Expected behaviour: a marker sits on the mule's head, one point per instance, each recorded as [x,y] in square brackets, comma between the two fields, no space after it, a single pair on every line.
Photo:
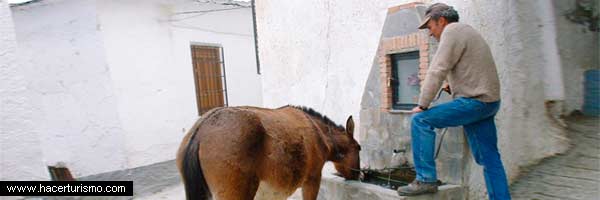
[346,156]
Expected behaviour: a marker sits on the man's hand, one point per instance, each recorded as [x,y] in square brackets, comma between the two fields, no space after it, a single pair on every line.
[417,110]
[446,87]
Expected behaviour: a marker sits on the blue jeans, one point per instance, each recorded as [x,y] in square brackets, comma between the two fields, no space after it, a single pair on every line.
[477,118]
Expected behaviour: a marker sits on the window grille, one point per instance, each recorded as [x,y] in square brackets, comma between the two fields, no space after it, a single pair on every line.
[209,77]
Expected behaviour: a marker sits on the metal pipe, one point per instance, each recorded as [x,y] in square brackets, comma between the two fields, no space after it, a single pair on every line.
[255,36]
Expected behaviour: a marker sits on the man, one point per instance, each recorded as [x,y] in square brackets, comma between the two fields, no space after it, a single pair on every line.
[463,59]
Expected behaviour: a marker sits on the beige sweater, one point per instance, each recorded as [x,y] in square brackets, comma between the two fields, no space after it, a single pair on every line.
[465,60]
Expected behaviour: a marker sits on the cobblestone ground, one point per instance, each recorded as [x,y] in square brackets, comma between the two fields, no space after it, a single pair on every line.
[572,175]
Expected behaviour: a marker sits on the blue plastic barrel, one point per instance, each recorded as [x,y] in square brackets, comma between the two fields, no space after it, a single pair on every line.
[591,93]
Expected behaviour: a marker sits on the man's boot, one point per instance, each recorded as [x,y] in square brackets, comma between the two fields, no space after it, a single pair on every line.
[417,188]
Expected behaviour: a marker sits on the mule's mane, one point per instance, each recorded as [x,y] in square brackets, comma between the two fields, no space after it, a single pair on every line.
[318,115]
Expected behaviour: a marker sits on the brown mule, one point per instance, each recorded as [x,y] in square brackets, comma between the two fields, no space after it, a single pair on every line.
[256,153]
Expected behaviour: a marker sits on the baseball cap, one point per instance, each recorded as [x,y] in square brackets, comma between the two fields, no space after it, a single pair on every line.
[433,10]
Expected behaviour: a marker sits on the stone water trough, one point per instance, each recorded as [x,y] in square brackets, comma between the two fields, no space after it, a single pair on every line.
[335,188]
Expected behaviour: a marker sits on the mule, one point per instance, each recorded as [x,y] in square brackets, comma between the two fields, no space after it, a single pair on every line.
[256,153]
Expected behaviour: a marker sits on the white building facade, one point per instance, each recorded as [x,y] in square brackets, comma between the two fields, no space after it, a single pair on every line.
[111,84]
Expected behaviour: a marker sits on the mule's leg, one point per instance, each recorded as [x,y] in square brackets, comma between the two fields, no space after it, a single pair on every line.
[234,186]
[268,191]
[310,187]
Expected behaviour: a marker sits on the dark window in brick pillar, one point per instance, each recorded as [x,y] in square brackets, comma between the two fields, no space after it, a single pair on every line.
[405,80]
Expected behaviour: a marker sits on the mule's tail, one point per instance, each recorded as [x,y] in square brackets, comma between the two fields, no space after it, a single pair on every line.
[196,187]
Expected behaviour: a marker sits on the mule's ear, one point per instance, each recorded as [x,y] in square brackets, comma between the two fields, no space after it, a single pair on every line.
[350,126]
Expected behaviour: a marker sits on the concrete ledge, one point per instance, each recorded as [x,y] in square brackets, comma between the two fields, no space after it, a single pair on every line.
[337,188]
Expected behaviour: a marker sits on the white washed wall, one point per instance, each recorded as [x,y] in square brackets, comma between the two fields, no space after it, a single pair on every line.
[324,61]
[20,152]
[71,87]
[110,83]
[318,53]
[148,50]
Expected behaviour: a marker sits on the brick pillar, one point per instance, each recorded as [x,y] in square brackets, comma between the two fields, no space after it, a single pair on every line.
[405,43]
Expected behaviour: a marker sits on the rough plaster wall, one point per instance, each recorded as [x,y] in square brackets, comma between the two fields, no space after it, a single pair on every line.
[67,74]
[148,49]
[578,52]
[321,62]
[306,64]
[17,127]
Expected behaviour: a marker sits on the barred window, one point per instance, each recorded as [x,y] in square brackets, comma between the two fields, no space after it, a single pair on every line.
[209,76]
